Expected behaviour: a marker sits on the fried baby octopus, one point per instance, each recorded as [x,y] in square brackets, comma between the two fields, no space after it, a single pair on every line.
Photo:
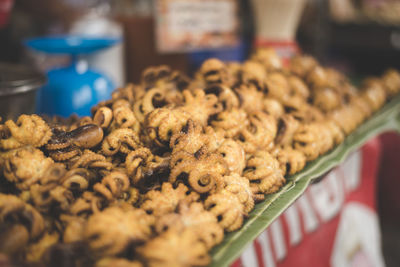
[29,130]
[193,216]
[190,139]
[123,140]
[167,199]
[25,166]
[200,106]
[264,173]
[175,249]
[162,123]
[113,230]
[228,209]
[20,223]
[66,145]
[92,161]
[259,133]
[202,171]
[113,185]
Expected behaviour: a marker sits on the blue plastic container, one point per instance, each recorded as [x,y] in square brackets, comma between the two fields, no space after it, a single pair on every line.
[76,88]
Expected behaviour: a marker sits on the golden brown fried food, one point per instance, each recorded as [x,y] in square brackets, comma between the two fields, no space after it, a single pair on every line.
[259,133]
[233,154]
[117,262]
[74,228]
[298,87]
[264,173]
[273,107]
[347,117]
[301,65]
[391,80]
[111,231]
[374,93]
[20,223]
[122,140]
[29,130]
[230,122]
[103,117]
[252,72]
[291,161]
[51,196]
[214,71]
[92,161]
[87,204]
[26,166]
[64,146]
[200,106]
[287,126]
[165,201]
[202,171]
[152,99]
[228,209]
[36,250]
[240,186]
[175,249]
[191,139]
[277,86]
[164,78]
[124,118]
[268,58]
[163,168]
[162,123]
[137,162]
[226,96]
[326,99]
[113,185]
[193,216]
[250,99]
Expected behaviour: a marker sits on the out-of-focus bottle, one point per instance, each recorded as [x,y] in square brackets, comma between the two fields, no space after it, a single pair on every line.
[97,22]
[276,23]
[138,21]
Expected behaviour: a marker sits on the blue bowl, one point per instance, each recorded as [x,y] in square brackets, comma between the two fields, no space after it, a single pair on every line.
[70,44]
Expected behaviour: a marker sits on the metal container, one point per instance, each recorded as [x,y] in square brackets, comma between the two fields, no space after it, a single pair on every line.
[18,88]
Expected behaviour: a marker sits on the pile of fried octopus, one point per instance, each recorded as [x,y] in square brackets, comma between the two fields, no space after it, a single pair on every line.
[162,170]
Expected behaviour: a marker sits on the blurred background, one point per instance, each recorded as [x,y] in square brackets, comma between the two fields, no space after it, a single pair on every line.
[358,37]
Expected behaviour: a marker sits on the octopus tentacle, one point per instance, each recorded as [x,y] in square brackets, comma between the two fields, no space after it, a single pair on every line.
[120,140]
[135,163]
[103,117]
[113,185]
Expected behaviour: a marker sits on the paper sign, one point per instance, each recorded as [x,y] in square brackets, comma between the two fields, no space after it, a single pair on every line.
[187,25]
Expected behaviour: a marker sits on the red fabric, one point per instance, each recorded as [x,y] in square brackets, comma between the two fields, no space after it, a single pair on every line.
[300,238]
[5,10]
